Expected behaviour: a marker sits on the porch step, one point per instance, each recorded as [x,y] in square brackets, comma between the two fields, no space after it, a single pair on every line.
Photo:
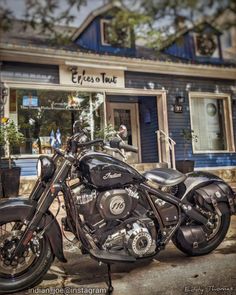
[142,167]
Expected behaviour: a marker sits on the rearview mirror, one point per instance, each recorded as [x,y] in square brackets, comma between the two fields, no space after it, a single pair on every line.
[77,126]
[123,133]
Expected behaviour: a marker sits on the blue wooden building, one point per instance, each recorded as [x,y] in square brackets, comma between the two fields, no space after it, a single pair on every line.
[186,87]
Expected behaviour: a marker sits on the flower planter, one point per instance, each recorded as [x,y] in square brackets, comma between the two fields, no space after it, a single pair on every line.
[185,166]
[10,181]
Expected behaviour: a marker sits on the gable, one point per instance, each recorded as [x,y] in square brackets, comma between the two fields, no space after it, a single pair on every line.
[94,36]
[200,44]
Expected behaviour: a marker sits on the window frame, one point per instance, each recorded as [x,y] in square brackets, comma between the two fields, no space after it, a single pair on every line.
[102,22]
[199,55]
[15,115]
[103,41]
[228,120]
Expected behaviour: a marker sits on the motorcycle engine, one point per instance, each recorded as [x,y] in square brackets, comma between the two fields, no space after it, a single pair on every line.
[117,220]
[138,238]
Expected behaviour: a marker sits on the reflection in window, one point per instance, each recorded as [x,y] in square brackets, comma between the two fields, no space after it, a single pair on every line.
[46,117]
[106,32]
[118,36]
[208,124]
[123,117]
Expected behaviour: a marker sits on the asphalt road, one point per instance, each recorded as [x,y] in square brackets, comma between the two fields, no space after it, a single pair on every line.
[171,273]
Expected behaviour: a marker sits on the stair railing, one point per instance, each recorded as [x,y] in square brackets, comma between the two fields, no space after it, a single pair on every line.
[170,148]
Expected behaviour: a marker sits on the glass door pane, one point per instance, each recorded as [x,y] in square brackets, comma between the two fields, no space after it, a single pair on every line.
[126,114]
[123,117]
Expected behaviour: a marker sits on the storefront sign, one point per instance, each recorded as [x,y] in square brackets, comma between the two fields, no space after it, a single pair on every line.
[83,77]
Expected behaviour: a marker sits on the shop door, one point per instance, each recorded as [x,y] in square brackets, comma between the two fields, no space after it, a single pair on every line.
[126,114]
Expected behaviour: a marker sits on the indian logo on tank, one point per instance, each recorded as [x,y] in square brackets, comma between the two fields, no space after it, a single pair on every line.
[111,175]
[117,205]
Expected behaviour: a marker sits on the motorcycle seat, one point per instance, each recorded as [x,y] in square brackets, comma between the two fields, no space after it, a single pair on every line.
[165,176]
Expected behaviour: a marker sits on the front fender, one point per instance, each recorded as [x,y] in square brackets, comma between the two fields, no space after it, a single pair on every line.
[22,209]
[212,189]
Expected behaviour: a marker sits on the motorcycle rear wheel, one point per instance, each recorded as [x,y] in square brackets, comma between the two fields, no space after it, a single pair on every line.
[214,240]
[27,271]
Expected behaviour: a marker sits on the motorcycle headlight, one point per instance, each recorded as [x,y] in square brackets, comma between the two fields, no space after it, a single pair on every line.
[45,168]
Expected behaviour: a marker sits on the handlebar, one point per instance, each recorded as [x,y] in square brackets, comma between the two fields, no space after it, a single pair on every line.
[115,143]
[89,143]
[118,144]
[128,147]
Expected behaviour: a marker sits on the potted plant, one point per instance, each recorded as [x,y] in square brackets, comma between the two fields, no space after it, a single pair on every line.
[107,133]
[186,165]
[10,139]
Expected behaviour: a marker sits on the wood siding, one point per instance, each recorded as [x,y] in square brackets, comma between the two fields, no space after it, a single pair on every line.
[91,39]
[30,72]
[184,46]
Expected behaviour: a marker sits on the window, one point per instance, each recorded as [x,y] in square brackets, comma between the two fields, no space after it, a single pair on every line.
[121,37]
[206,45]
[46,117]
[106,32]
[211,120]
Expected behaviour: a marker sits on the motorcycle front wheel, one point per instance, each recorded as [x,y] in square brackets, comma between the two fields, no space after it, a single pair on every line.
[28,270]
[213,240]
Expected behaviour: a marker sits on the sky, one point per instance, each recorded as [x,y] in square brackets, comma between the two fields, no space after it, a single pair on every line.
[18,8]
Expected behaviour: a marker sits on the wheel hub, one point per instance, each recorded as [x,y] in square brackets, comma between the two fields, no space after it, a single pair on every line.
[8,243]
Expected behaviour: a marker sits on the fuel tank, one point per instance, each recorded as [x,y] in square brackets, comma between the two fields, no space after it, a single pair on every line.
[103,171]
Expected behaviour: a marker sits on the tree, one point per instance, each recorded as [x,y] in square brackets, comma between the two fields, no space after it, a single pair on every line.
[155,21]
[44,15]
[152,20]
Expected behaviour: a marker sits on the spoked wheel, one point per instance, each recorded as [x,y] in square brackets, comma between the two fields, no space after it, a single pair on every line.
[213,238]
[26,271]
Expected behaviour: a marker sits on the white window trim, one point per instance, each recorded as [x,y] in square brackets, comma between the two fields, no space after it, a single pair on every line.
[228,120]
[160,95]
[197,54]
[102,21]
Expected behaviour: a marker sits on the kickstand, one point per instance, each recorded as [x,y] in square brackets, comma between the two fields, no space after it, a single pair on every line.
[109,283]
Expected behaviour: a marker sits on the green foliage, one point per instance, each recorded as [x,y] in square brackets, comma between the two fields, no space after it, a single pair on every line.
[6,17]
[13,137]
[107,133]
[2,136]
[158,21]
[153,21]
[123,25]
[10,137]
[188,136]
[43,16]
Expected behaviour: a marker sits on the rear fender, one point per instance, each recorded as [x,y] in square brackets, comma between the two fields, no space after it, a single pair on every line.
[210,189]
[23,209]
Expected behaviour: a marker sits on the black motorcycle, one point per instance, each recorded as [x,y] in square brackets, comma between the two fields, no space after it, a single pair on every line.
[117,214]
